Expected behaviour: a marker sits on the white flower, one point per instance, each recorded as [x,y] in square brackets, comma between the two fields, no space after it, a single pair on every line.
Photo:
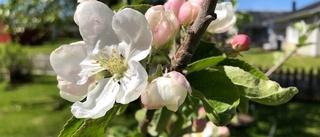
[225,18]
[73,92]
[169,90]
[113,45]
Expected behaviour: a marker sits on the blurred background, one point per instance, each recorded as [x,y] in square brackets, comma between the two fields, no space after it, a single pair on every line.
[30,30]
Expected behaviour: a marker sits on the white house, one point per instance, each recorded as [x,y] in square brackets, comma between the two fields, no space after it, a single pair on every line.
[309,14]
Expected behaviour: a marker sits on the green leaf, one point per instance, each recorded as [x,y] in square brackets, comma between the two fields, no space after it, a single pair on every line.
[243,105]
[141,8]
[205,50]
[71,127]
[160,121]
[265,92]
[217,93]
[88,127]
[189,107]
[177,125]
[243,65]
[204,63]
[122,109]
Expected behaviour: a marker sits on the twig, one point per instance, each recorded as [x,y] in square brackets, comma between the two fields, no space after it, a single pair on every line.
[195,32]
[279,64]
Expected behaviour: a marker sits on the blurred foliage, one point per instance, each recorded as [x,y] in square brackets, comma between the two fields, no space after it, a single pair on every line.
[16,61]
[32,21]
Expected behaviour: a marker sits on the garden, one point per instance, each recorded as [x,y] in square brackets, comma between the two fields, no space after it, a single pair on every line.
[31,104]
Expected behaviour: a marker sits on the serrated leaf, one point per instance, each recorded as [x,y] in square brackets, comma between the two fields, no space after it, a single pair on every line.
[71,127]
[265,92]
[141,8]
[243,65]
[218,94]
[205,50]
[88,127]
[204,63]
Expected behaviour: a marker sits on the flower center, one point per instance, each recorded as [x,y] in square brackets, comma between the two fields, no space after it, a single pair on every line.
[114,64]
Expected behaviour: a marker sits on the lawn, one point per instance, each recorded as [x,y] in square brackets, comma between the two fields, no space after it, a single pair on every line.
[266,59]
[33,109]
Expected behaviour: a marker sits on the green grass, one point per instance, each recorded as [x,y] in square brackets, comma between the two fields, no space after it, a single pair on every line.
[29,110]
[294,119]
[267,59]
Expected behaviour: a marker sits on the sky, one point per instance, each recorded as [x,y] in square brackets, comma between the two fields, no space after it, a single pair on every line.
[272,5]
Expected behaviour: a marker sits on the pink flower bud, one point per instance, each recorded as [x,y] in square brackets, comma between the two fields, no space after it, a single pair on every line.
[199,125]
[173,5]
[241,42]
[189,11]
[163,24]
[169,90]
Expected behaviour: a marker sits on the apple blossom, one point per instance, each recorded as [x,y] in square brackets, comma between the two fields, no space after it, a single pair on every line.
[225,18]
[73,92]
[170,90]
[163,24]
[189,11]
[173,5]
[241,42]
[112,46]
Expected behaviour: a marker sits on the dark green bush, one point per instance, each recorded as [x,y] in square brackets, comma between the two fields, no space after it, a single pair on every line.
[17,63]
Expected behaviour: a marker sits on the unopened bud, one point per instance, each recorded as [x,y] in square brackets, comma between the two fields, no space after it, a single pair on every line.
[169,90]
[188,11]
[173,5]
[241,42]
[163,24]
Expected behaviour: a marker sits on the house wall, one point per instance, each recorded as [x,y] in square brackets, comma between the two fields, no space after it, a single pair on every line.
[292,37]
[313,49]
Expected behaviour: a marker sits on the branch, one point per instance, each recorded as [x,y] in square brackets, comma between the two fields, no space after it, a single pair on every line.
[279,64]
[195,32]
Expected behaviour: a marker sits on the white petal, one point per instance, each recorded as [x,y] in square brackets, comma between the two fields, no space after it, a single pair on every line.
[73,92]
[225,18]
[133,31]
[98,101]
[151,98]
[94,20]
[66,60]
[134,82]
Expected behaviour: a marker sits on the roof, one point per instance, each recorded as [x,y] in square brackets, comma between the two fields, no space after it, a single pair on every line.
[303,12]
[261,16]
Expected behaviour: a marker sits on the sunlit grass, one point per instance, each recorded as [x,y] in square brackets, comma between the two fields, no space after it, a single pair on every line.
[267,59]
[33,109]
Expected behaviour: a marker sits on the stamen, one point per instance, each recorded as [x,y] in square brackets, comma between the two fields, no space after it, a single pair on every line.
[114,64]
